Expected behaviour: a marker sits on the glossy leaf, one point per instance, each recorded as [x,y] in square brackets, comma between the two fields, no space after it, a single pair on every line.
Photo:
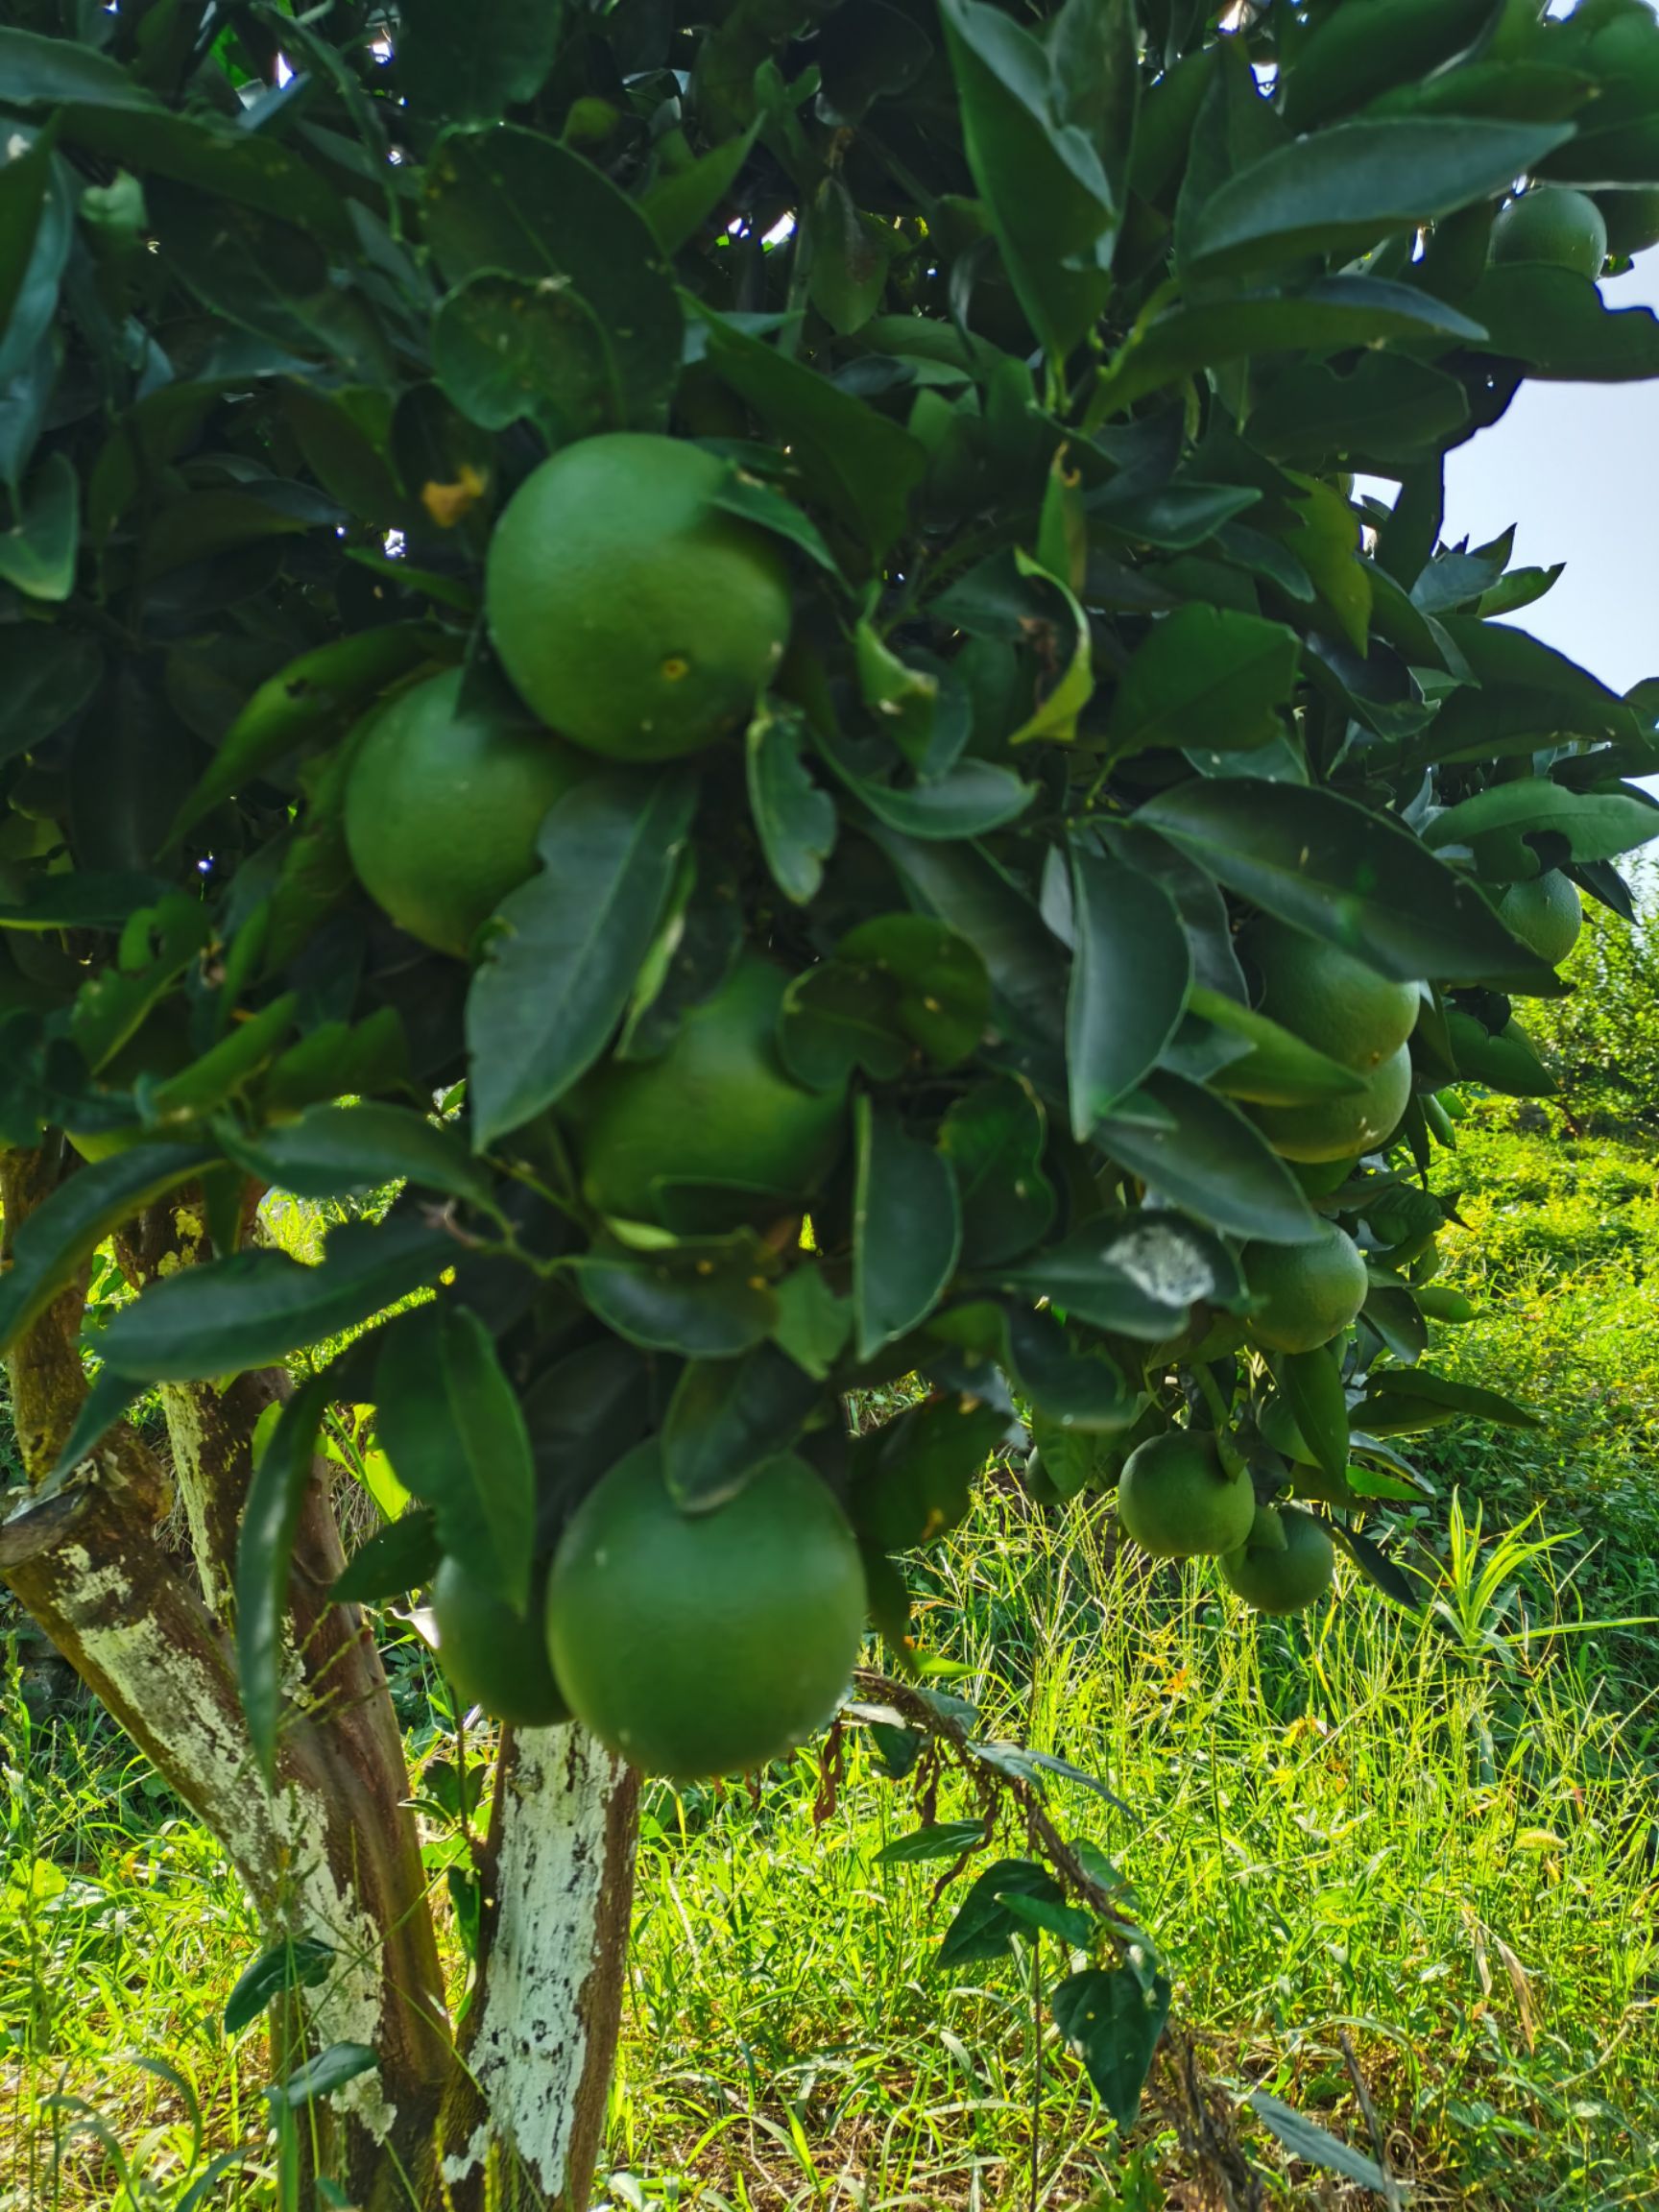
[993,1138]
[555,982]
[255,1307]
[270,1522]
[1344,189]
[1312,1385]
[511,201]
[1208,1158]
[1339,872]
[452,1424]
[704,1307]
[725,1418]
[1130,973]
[794,818]
[1112,2019]
[906,1228]
[346,1152]
[1208,677]
[476,65]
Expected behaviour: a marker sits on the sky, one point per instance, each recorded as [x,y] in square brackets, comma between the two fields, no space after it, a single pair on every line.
[1577,467]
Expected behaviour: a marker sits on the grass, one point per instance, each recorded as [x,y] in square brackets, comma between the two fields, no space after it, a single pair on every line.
[1435,1838]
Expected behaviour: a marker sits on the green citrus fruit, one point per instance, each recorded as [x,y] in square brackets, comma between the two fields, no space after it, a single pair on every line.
[1554,223]
[1177,1501]
[1307,1293]
[1544,913]
[1326,998]
[1632,218]
[633,615]
[1340,1128]
[1284,1569]
[696,1645]
[1320,1177]
[718,1107]
[444,799]
[493,1656]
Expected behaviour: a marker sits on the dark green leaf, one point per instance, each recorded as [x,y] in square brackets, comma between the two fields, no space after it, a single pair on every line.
[813,1324]
[974,797]
[944,1840]
[1113,2019]
[912,1480]
[1334,869]
[39,72]
[704,1307]
[906,1228]
[1317,2147]
[678,206]
[1208,678]
[1427,1389]
[725,1418]
[473,64]
[1276,1068]
[556,981]
[453,1430]
[861,465]
[1499,825]
[343,1151]
[220,162]
[795,821]
[51,1245]
[835,1020]
[1136,1279]
[1049,199]
[506,348]
[1210,1161]
[37,553]
[1389,408]
[1329,314]
[940,991]
[48,675]
[313,700]
[264,1549]
[298,1962]
[993,1138]
[983,1922]
[1342,190]
[1312,1385]
[1556,321]
[25,177]
[321,2076]
[513,201]
[397,1560]
[255,1307]
[1130,973]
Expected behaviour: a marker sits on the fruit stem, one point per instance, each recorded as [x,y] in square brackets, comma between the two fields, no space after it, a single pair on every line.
[1210,1390]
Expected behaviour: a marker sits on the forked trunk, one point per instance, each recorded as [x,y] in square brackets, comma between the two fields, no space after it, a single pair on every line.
[510,2114]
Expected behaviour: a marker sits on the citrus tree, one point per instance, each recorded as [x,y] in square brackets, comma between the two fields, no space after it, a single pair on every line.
[736,650]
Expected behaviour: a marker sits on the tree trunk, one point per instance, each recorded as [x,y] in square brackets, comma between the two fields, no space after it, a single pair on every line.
[511,2114]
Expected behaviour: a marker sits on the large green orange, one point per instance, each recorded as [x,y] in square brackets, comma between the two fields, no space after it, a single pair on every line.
[633,615]
[1326,998]
[1545,913]
[1554,223]
[702,1645]
[718,1107]
[1178,1502]
[1285,1576]
[1307,1293]
[446,793]
[1340,1128]
[493,1656]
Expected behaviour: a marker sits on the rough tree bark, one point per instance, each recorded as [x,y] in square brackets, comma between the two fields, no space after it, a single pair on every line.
[509,2113]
